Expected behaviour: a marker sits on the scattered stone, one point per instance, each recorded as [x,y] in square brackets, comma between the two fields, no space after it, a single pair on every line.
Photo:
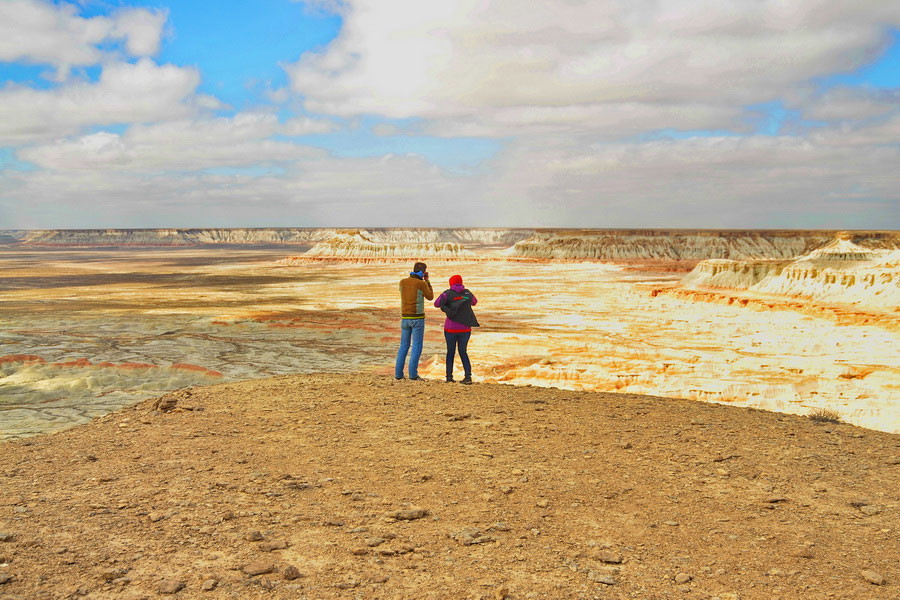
[873,577]
[681,578]
[499,526]
[209,585]
[258,568]
[359,551]
[111,574]
[156,517]
[291,573]
[501,594]
[542,503]
[165,404]
[471,536]
[671,523]
[869,510]
[517,472]
[608,556]
[805,552]
[379,579]
[7,537]
[5,578]
[169,586]
[273,545]
[346,585]
[604,578]
[374,541]
[333,523]
[409,514]
[505,489]
[776,500]
[254,536]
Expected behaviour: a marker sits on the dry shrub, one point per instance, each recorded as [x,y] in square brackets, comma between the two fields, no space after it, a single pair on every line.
[825,415]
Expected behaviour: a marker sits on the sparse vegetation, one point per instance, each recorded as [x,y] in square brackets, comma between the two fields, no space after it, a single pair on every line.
[825,415]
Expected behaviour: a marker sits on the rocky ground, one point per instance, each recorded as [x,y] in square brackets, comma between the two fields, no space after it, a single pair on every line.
[334,486]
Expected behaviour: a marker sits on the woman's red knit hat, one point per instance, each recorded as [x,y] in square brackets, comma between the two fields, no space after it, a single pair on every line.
[456,280]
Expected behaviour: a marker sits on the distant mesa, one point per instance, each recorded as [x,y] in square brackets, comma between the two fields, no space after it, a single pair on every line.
[840,271]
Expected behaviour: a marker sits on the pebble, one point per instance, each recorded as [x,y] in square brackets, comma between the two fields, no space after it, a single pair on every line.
[291,573]
[410,514]
[870,510]
[608,556]
[681,578]
[209,585]
[258,568]
[7,537]
[601,578]
[374,541]
[671,523]
[273,545]
[111,574]
[254,536]
[170,586]
[5,578]
[873,577]
[542,503]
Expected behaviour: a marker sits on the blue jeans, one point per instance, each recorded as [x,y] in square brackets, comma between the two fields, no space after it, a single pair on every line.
[461,340]
[410,330]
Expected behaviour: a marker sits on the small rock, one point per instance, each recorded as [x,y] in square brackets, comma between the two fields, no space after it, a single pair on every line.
[334,523]
[671,523]
[869,510]
[626,446]
[873,577]
[169,586]
[608,556]
[517,472]
[505,489]
[258,568]
[5,578]
[7,537]
[254,536]
[155,517]
[209,585]
[471,536]
[603,578]
[273,545]
[542,503]
[359,551]
[111,574]
[501,594]
[409,514]
[681,578]
[291,573]
[374,541]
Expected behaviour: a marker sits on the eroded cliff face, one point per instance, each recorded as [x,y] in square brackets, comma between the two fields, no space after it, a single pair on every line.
[550,244]
[685,245]
[841,271]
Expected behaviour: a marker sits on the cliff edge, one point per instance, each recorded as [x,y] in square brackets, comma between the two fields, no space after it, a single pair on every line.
[331,486]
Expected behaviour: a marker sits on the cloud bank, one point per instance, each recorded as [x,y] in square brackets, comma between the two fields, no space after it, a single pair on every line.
[609,113]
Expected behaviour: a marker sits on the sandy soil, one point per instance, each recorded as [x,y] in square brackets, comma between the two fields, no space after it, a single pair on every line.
[336,486]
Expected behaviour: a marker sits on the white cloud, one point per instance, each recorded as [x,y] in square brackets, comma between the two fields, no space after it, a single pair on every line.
[483,64]
[125,93]
[184,146]
[45,33]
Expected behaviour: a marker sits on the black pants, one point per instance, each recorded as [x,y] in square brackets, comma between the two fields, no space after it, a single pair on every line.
[461,340]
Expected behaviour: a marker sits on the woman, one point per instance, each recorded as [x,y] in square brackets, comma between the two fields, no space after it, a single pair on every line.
[457,303]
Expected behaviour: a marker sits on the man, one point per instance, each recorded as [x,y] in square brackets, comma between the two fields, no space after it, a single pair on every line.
[414,290]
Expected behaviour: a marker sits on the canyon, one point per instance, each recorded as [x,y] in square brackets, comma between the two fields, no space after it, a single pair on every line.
[788,321]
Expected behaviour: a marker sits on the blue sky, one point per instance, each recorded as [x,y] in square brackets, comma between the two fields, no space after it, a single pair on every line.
[399,105]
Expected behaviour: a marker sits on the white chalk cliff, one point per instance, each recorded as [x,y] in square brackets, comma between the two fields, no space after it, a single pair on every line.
[840,272]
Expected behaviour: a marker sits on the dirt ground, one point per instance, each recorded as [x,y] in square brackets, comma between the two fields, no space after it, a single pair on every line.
[336,486]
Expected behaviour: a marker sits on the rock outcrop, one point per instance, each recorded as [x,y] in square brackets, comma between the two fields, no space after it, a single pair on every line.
[841,271]
[661,244]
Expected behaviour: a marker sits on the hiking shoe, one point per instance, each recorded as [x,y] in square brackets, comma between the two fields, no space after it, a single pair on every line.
[399,378]
[416,379]
[466,381]
[450,379]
